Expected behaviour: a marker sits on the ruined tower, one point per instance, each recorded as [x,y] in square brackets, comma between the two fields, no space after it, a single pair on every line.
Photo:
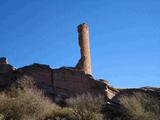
[84,63]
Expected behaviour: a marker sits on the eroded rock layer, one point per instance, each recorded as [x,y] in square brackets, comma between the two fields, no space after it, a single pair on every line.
[64,82]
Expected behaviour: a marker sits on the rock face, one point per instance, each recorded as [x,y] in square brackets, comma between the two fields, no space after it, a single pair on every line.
[3,60]
[116,108]
[84,63]
[64,81]
[5,67]
[6,72]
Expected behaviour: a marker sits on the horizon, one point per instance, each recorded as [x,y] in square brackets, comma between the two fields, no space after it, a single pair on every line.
[124,37]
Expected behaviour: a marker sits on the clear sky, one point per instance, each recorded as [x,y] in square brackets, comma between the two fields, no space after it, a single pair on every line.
[124,36]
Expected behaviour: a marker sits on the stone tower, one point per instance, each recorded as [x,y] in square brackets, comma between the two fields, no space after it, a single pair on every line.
[84,63]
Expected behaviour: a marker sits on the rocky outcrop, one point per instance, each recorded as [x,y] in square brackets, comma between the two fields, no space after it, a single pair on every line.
[115,107]
[40,75]
[6,72]
[65,81]
[3,60]
[5,67]
[71,82]
[153,91]
[84,63]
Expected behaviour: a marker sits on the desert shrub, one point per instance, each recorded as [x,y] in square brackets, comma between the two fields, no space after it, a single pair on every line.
[1,117]
[25,105]
[62,114]
[25,82]
[23,101]
[30,104]
[141,106]
[87,106]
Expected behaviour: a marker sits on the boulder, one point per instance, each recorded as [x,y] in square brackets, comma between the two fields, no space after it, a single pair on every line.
[3,60]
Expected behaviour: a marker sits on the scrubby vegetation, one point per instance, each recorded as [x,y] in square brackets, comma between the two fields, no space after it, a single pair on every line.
[24,102]
[87,106]
[141,106]
[30,104]
[24,105]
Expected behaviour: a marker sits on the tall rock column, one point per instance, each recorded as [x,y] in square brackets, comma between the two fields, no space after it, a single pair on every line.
[84,63]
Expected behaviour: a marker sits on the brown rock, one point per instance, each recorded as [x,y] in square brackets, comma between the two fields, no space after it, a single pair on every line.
[65,81]
[3,60]
[6,73]
[5,67]
[40,74]
[84,63]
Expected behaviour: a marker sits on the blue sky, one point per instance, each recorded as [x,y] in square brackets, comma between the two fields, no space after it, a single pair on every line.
[124,36]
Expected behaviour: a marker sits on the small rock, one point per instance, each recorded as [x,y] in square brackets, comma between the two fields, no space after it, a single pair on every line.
[3,60]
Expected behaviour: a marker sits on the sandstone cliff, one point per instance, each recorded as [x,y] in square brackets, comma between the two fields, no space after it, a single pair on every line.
[62,82]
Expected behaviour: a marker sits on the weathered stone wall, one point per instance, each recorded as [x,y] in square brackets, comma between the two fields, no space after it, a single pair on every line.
[40,75]
[70,82]
[65,82]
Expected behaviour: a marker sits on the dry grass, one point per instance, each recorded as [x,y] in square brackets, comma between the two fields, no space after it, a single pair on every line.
[25,105]
[141,106]
[30,104]
[24,102]
[87,106]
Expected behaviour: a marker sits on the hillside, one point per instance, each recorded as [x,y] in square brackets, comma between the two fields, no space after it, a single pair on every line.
[23,98]
[39,92]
